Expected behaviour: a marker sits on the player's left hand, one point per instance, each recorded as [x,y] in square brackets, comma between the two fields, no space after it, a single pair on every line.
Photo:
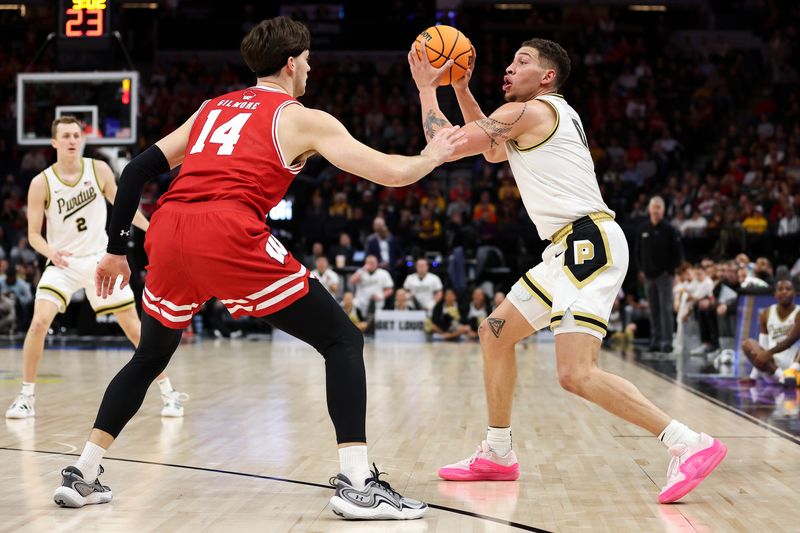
[108,269]
[425,74]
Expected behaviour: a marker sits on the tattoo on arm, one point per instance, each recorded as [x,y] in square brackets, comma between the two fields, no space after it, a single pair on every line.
[434,122]
[497,325]
[497,130]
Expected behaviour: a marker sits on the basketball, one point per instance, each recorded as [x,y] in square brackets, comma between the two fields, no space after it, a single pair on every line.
[443,43]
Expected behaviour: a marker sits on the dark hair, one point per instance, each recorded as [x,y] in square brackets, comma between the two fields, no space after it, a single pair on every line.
[64,119]
[554,54]
[268,46]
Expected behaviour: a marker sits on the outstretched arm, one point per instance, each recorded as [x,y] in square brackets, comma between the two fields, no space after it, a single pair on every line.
[302,131]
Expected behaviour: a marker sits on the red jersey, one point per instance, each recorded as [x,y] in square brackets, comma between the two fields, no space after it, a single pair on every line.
[234,153]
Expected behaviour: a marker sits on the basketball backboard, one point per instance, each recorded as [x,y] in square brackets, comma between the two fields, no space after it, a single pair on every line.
[107,103]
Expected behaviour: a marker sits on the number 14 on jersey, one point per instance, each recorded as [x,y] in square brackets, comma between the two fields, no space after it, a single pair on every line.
[226,135]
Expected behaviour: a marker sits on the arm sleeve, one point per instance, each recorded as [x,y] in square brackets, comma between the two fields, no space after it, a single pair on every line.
[144,167]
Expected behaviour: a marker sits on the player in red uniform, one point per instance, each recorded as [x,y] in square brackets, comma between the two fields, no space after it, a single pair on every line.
[239,153]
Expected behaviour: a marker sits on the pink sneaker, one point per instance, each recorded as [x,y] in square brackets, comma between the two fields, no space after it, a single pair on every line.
[689,466]
[483,465]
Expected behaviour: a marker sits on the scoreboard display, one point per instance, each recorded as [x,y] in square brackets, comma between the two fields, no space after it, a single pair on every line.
[84,19]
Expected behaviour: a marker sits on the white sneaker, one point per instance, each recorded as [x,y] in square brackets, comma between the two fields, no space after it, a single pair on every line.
[22,407]
[173,403]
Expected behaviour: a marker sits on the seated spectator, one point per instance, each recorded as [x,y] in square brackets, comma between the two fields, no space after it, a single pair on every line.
[789,223]
[485,209]
[373,285]
[342,253]
[430,231]
[479,309]
[755,222]
[383,245]
[497,299]
[21,289]
[22,252]
[695,226]
[726,293]
[403,301]
[763,270]
[8,313]
[353,313]
[326,275]
[424,286]
[446,319]
[317,250]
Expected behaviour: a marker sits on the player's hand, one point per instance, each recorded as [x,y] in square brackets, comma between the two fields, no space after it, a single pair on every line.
[108,269]
[462,83]
[59,258]
[444,144]
[425,74]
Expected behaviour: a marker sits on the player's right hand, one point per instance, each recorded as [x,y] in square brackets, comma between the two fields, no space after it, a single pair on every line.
[444,144]
[108,269]
[463,82]
[58,258]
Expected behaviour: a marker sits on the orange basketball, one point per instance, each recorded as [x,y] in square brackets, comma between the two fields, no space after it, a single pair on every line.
[443,43]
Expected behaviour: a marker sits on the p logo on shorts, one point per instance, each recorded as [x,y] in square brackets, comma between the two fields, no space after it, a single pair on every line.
[584,251]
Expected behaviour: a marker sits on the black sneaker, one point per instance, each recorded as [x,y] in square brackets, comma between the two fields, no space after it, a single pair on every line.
[76,492]
[378,501]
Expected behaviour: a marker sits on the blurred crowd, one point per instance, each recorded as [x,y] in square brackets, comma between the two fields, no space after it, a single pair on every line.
[710,126]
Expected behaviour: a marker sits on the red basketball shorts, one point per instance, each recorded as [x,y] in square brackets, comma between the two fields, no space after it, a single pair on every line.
[216,249]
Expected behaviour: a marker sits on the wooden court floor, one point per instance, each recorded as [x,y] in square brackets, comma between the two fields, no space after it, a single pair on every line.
[256,448]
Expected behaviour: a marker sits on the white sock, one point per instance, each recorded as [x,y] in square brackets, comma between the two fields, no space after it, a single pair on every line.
[89,461]
[353,463]
[499,439]
[27,388]
[165,386]
[677,433]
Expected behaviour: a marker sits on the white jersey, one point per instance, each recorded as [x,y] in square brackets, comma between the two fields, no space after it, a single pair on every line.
[76,214]
[556,177]
[777,330]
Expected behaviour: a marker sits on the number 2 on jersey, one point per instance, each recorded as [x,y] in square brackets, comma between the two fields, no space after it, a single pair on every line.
[226,135]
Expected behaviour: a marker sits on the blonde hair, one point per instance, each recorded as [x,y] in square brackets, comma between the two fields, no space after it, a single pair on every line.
[64,119]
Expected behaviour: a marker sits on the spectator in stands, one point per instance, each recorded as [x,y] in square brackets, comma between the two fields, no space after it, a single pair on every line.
[498,298]
[446,319]
[353,313]
[22,252]
[705,309]
[8,313]
[383,245]
[21,289]
[343,252]
[658,252]
[430,231]
[695,226]
[373,285]
[754,221]
[789,223]
[317,250]
[326,275]
[403,301]
[424,286]
[479,309]
[725,294]
[485,210]
[763,270]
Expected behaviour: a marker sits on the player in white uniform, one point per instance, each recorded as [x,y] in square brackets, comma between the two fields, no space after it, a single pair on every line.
[775,355]
[573,289]
[71,195]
